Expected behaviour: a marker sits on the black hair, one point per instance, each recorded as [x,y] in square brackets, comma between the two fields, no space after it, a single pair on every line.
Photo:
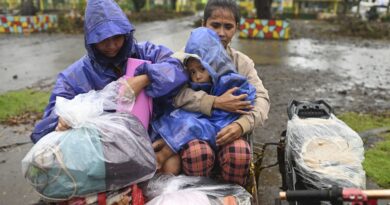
[212,5]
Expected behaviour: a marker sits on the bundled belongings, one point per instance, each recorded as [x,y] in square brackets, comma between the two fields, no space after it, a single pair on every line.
[190,190]
[124,196]
[105,150]
[321,150]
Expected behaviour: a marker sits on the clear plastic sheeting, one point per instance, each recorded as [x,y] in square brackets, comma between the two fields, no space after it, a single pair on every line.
[172,190]
[101,151]
[180,198]
[326,152]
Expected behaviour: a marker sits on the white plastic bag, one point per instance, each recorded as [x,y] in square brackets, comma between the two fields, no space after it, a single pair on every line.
[161,189]
[103,151]
[326,152]
[181,197]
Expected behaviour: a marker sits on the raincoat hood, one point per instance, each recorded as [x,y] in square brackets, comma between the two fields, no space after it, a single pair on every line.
[206,44]
[179,127]
[104,19]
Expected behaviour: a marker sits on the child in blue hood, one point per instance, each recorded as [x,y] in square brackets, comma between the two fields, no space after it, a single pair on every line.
[211,70]
[109,43]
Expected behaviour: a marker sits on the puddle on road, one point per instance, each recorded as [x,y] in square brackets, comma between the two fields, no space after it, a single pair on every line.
[42,56]
[365,66]
[27,60]
[361,65]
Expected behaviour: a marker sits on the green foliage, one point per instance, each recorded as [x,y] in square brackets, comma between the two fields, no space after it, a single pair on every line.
[156,14]
[362,122]
[386,18]
[200,6]
[291,15]
[377,163]
[365,29]
[15,103]
[126,5]
[70,24]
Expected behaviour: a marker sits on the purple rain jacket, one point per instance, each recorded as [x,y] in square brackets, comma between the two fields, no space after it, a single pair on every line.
[104,19]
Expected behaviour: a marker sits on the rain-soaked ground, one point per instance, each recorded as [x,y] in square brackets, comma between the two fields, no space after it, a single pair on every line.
[353,75]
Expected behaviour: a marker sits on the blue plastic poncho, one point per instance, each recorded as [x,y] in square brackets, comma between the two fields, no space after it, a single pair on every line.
[94,71]
[180,127]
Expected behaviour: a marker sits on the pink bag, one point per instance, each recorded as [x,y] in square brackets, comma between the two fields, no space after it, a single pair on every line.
[143,105]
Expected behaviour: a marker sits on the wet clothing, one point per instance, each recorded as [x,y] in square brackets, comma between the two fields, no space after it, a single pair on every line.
[104,19]
[179,127]
[199,159]
[234,158]
[201,101]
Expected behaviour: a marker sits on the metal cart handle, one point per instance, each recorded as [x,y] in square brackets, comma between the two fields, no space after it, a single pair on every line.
[336,195]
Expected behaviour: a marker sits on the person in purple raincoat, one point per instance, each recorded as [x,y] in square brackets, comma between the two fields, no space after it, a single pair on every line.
[109,43]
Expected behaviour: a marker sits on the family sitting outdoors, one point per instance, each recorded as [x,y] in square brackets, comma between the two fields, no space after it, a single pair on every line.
[207,99]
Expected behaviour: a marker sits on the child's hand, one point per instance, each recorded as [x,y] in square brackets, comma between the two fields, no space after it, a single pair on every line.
[228,134]
[62,126]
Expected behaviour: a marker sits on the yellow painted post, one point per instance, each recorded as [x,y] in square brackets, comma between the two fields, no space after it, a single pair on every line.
[41,7]
[193,5]
[147,5]
[335,6]
[178,5]
[296,7]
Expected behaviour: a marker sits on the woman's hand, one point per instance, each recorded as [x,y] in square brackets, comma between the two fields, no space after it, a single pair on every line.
[228,134]
[138,83]
[231,103]
[62,126]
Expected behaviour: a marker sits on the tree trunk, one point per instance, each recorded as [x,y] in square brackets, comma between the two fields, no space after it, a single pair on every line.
[263,9]
[27,8]
[345,7]
[138,5]
[173,5]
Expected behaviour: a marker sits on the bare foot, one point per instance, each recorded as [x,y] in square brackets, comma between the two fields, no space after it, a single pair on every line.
[158,145]
[172,165]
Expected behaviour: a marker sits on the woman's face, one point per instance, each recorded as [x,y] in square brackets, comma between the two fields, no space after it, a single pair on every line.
[222,21]
[111,46]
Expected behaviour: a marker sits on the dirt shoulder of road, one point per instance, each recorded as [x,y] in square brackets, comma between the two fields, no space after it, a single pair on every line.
[347,28]
[286,84]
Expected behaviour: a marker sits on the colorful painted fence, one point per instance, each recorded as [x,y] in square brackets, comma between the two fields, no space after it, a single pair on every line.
[264,29]
[27,24]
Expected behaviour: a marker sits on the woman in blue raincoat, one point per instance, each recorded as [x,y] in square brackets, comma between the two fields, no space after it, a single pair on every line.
[109,43]
[179,127]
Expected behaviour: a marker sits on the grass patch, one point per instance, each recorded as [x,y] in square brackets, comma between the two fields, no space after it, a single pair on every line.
[16,103]
[376,162]
[362,122]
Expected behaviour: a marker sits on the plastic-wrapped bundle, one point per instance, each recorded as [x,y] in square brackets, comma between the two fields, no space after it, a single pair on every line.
[101,152]
[326,152]
[172,190]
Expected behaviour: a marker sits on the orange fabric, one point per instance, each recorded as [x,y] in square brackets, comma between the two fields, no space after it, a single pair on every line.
[229,200]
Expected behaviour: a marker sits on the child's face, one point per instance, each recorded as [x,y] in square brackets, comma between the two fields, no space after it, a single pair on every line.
[197,73]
